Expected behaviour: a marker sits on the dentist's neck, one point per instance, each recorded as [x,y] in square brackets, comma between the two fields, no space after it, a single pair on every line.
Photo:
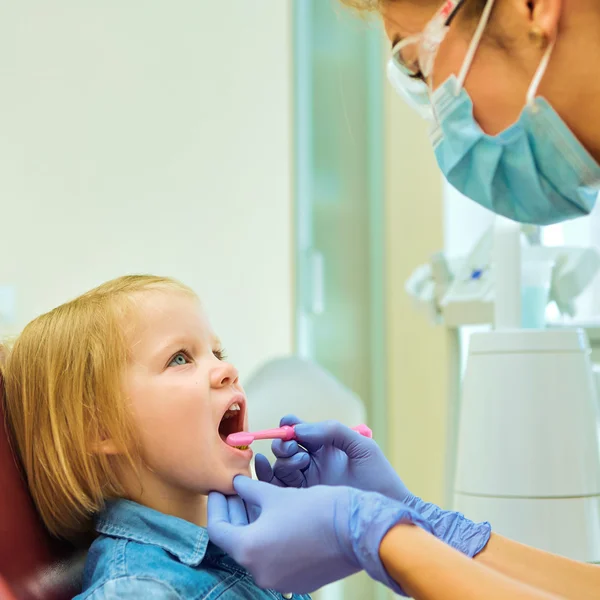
[572,82]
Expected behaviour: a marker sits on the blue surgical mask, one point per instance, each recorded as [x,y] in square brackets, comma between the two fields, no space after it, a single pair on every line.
[536,171]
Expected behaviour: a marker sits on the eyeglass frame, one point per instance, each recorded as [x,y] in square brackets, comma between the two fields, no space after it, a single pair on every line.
[433,35]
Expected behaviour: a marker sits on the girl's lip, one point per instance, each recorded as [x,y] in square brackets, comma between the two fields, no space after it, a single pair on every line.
[247,453]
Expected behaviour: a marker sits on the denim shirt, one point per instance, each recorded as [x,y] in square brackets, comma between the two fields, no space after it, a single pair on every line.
[144,554]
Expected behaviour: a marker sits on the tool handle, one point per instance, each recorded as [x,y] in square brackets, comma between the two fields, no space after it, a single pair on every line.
[284,433]
[364,430]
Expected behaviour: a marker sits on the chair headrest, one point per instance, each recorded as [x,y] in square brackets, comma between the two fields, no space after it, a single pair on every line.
[35,565]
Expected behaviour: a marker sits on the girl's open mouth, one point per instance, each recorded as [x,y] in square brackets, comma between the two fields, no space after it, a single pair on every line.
[233,419]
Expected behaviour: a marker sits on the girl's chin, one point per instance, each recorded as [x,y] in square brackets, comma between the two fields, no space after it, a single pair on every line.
[246,472]
[227,487]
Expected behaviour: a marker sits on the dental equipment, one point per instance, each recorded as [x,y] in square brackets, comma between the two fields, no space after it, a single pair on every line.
[528,455]
[286,433]
[457,292]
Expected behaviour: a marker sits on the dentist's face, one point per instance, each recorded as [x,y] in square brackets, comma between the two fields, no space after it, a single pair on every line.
[496,88]
[507,58]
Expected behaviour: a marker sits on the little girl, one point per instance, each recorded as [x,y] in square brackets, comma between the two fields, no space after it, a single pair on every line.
[118,404]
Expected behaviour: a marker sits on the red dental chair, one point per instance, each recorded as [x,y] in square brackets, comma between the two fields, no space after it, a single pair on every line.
[33,565]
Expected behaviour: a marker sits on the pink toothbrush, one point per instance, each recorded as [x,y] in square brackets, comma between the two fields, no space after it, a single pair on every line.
[286,433]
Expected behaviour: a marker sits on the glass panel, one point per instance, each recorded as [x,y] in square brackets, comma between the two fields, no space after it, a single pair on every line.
[339,70]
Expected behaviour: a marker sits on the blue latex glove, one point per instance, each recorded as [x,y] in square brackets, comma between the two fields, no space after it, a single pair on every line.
[304,539]
[329,453]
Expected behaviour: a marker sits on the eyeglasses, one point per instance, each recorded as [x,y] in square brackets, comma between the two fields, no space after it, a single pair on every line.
[415,55]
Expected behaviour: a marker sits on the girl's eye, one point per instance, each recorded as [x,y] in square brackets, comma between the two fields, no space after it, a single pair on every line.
[179,359]
[220,354]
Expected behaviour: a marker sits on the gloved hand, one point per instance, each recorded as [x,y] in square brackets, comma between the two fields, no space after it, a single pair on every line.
[304,539]
[333,454]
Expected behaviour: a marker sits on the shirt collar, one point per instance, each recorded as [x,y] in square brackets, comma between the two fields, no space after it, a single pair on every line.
[132,521]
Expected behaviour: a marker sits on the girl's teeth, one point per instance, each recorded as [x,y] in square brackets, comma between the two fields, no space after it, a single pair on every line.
[231,411]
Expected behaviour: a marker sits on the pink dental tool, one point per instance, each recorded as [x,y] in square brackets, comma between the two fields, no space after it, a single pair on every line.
[285,433]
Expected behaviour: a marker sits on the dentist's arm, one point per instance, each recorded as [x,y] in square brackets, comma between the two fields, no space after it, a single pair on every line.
[543,570]
[428,569]
[332,454]
[300,540]
[328,453]
[303,539]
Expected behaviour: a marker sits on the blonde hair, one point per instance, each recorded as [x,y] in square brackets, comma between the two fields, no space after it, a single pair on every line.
[64,395]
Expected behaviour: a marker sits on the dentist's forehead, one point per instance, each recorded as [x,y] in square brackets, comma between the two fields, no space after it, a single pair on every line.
[407,17]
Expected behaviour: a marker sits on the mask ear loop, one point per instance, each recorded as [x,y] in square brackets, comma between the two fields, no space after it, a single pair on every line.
[485,17]
[537,78]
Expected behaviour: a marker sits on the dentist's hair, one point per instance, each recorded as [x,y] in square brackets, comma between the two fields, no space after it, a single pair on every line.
[64,395]
[473,7]
[364,4]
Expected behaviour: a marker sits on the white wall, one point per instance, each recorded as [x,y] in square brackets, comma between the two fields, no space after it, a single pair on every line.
[465,222]
[418,362]
[150,137]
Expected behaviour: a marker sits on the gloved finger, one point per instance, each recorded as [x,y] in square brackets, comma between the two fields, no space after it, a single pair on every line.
[237,511]
[253,492]
[264,471]
[263,468]
[253,512]
[331,433]
[218,508]
[298,462]
[290,420]
[283,449]
[220,530]
[291,470]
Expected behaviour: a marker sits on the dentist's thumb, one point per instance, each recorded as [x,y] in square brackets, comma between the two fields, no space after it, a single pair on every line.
[254,492]
[314,436]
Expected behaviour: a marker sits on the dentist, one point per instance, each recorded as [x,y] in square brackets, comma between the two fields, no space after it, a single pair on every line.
[511,89]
